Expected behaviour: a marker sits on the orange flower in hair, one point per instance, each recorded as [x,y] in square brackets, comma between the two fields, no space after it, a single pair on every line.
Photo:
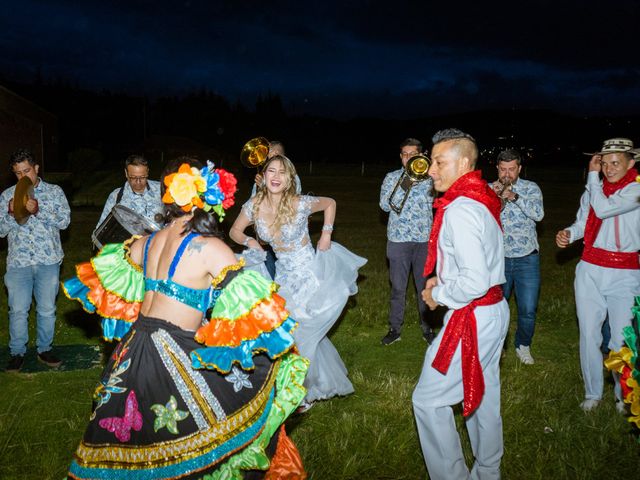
[185,187]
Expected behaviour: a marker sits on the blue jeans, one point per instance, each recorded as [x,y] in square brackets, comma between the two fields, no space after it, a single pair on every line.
[22,284]
[523,277]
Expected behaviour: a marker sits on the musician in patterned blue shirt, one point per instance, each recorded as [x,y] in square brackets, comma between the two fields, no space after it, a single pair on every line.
[407,236]
[522,208]
[33,260]
[139,193]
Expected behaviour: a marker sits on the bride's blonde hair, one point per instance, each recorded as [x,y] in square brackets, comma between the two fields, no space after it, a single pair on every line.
[284,210]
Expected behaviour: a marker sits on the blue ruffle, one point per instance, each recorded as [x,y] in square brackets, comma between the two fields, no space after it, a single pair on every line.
[274,344]
[76,290]
[114,329]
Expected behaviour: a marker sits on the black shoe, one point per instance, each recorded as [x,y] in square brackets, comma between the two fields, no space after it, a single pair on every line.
[428,336]
[391,337]
[15,363]
[49,359]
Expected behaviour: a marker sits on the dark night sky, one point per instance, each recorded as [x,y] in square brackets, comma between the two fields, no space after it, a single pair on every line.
[348,58]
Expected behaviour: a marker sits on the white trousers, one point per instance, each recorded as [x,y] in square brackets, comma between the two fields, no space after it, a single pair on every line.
[602,291]
[435,393]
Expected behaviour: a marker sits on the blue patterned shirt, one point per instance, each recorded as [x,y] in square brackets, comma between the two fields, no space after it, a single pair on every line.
[519,219]
[413,223]
[37,242]
[146,204]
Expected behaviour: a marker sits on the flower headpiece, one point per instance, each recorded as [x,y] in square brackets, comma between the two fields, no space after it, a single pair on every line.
[208,188]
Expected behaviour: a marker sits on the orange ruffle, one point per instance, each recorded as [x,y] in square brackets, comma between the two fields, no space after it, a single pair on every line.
[286,463]
[107,304]
[264,317]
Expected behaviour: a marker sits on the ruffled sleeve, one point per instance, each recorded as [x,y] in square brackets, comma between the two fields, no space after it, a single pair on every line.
[305,203]
[247,208]
[248,318]
[112,286]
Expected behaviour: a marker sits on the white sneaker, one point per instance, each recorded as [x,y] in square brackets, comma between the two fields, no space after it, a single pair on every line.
[589,404]
[621,407]
[524,354]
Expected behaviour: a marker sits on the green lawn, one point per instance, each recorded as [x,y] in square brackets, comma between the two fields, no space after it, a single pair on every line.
[370,434]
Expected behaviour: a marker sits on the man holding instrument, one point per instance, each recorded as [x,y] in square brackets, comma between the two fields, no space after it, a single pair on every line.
[608,274]
[462,364]
[521,209]
[139,193]
[407,233]
[33,258]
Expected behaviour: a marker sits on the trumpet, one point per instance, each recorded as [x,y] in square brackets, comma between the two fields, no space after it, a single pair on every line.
[505,186]
[415,171]
[255,152]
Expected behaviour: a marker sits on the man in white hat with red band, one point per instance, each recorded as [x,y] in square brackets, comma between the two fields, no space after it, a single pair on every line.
[608,274]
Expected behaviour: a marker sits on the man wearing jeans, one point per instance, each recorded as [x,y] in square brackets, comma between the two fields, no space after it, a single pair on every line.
[33,260]
[522,208]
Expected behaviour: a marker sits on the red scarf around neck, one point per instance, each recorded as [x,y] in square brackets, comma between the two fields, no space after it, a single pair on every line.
[598,256]
[461,327]
[470,185]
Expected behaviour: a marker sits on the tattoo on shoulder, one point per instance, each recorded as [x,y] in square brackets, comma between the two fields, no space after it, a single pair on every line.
[195,246]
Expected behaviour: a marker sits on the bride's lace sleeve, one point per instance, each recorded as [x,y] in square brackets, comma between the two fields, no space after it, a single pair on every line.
[247,208]
[306,203]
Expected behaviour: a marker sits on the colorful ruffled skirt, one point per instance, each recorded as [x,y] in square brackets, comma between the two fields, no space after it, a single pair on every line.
[156,417]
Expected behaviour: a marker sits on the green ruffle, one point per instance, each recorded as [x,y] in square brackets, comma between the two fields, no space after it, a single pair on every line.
[289,394]
[242,294]
[117,274]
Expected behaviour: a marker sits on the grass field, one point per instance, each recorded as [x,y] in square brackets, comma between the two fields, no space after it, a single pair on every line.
[370,434]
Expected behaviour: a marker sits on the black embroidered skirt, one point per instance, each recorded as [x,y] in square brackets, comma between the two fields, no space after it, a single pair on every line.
[155,417]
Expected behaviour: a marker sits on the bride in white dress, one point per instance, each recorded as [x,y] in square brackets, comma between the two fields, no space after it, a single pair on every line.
[315,284]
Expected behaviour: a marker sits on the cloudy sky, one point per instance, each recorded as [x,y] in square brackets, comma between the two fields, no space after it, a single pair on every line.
[346,58]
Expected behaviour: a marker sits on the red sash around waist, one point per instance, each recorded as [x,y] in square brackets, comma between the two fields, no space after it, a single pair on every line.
[462,327]
[605,258]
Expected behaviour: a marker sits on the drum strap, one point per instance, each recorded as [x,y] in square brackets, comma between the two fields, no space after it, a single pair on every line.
[120,194]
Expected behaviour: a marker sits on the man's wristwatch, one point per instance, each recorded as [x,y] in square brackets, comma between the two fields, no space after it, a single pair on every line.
[515,197]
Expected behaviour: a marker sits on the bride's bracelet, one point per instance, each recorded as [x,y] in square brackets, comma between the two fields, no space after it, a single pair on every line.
[246,241]
[327,227]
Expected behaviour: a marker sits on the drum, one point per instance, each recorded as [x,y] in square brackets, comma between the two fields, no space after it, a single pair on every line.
[121,224]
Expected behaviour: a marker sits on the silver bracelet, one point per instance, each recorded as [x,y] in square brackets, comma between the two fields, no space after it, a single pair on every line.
[246,241]
[328,227]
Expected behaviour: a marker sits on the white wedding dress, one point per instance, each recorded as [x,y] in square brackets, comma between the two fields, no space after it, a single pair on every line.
[316,286]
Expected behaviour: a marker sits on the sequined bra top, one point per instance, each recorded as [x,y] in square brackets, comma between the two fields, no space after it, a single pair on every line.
[200,299]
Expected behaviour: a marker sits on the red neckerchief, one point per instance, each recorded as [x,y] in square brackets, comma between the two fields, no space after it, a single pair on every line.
[598,256]
[470,185]
[462,327]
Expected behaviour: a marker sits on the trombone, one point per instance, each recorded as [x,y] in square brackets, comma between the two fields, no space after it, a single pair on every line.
[415,171]
[255,152]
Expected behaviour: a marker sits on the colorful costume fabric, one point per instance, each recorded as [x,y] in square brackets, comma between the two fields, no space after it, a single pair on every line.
[627,363]
[173,406]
